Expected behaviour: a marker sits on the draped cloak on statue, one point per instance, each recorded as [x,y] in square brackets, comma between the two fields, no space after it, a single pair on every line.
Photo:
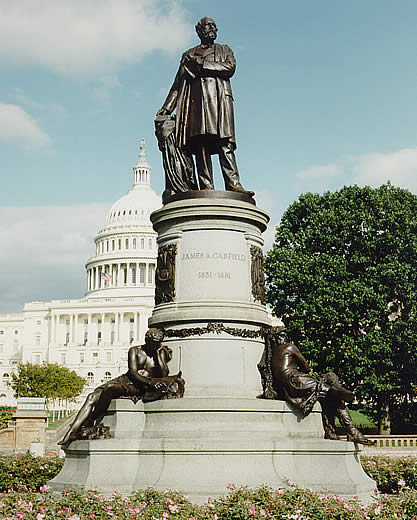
[204,102]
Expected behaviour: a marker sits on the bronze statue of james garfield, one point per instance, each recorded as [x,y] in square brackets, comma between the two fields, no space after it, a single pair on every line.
[202,96]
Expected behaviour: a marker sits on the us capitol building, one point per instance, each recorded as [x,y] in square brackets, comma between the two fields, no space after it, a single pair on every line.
[92,335]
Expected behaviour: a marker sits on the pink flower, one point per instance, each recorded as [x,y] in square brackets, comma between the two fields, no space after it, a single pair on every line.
[165,515]
[401,482]
[64,491]
[174,509]
[251,511]
[375,490]
[108,508]
[39,516]
[169,502]
[92,516]
[44,488]
[230,485]
[262,512]
[279,491]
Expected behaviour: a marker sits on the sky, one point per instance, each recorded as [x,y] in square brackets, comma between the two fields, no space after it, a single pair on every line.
[325,96]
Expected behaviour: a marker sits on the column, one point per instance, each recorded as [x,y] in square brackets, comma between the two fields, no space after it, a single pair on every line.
[103,329]
[135,326]
[89,331]
[120,331]
[116,327]
[53,331]
[71,335]
[76,328]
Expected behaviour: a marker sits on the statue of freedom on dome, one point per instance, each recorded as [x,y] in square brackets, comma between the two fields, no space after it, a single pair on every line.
[204,120]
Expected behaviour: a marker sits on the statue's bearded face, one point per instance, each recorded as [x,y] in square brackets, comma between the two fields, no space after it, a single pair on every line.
[207,29]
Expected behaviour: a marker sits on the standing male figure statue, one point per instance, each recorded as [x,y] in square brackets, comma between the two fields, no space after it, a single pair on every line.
[202,96]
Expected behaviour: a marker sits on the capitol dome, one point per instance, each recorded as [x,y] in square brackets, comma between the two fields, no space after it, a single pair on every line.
[126,245]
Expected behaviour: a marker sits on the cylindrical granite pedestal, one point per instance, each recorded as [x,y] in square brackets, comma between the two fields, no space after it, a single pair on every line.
[210,293]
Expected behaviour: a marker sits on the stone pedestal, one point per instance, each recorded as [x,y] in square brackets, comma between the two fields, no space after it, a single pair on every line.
[199,445]
[208,275]
[210,300]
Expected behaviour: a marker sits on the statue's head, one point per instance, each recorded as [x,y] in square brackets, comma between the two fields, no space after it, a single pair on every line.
[154,336]
[206,30]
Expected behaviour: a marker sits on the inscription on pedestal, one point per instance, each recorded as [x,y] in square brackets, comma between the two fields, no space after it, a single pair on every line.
[216,267]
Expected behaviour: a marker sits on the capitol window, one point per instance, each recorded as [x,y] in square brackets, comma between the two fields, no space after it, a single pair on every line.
[108,357]
[127,243]
[1,331]
[16,332]
[90,378]
[37,340]
[6,377]
[120,243]
[107,376]
[112,245]
[150,243]
[142,243]
[134,243]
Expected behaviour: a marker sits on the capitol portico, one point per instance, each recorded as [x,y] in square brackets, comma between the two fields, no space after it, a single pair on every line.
[92,335]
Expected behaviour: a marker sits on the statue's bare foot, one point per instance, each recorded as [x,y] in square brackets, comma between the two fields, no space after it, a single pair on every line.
[360,438]
[70,436]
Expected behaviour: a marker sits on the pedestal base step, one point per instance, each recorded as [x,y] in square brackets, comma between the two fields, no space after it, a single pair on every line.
[200,445]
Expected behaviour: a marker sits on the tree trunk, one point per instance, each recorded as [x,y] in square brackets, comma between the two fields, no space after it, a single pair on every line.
[384,420]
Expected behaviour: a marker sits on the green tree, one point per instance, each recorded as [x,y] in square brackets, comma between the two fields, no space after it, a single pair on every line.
[47,380]
[342,274]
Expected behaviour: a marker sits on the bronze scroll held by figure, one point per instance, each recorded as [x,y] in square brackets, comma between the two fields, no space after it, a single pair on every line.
[286,375]
[202,96]
[147,379]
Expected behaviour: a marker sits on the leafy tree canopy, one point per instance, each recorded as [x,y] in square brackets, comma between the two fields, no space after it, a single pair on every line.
[342,275]
[47,380]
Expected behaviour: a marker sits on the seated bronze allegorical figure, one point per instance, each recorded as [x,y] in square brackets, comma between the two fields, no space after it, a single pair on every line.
[147,379]
[286,375]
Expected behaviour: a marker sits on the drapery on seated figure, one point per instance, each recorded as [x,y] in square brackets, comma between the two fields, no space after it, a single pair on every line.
[204,124]
[147,379]
[286,375]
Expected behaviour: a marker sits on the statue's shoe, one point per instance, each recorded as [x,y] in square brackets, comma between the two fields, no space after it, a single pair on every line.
[238,188]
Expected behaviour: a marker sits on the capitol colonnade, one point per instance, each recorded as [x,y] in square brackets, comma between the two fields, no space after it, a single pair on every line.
[122,274]
[92,335]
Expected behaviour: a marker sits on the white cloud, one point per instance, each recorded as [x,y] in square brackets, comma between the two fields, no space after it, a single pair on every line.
[320,172]
[398,167]
[44,250]
[18,125]
[83,38]
[54,108]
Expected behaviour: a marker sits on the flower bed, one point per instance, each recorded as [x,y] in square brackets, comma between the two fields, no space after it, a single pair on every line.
[24,472]
[391,474]
[25,496]
[258,504]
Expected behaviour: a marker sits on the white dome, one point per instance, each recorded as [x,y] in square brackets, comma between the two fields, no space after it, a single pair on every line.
[126,249]
[134,208]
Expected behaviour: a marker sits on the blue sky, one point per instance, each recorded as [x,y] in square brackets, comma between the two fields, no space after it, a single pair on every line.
[325,95]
